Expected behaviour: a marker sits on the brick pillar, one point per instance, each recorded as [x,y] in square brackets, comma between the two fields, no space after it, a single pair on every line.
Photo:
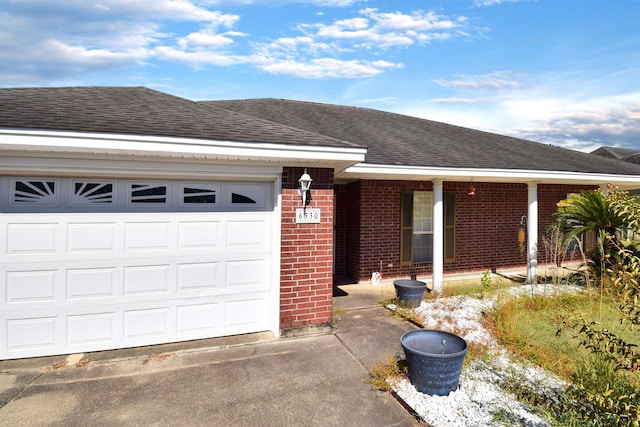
[306,271]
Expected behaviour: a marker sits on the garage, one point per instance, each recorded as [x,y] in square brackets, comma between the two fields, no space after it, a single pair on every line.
[91,264]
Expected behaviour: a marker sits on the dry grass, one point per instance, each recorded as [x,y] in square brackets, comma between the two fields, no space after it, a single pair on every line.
[534,328]
[385,373]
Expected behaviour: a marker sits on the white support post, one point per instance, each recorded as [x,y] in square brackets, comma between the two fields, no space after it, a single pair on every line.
[438,236]
[532,233]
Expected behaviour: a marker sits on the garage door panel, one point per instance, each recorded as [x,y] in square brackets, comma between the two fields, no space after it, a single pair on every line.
[91,237]
[30,286]
[198,320]
[146,279]
[80,240]
[96,282]
[87,283]
[146,323]
[32,333]
[247,275]
[199,277]
[200,235]
[244,315]
[247,234]
[75,277]
[32,239]
[92,328]
[141,236]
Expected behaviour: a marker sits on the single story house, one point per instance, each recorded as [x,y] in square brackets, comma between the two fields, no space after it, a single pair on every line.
[132,217]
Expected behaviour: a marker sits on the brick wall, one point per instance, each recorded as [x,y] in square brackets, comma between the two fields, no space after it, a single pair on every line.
[306,276]
[486,225]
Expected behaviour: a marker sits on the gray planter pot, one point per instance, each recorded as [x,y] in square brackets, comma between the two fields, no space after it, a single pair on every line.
[434,360]
[409,292]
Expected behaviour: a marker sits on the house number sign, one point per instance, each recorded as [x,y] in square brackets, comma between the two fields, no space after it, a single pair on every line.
[307,216]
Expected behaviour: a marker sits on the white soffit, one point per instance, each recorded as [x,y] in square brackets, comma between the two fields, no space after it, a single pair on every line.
[139,145]
[388,172]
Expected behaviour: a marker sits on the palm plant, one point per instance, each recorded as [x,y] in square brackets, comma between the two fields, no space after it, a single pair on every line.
[590,211]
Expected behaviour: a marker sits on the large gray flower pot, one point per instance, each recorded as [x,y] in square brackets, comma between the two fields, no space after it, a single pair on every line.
[434,360]
[409,292]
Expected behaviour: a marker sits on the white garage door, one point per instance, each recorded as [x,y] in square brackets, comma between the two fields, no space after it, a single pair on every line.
[91,264]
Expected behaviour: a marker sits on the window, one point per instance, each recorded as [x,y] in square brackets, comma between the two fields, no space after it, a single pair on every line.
[249,194]
[34,191]
[148,193]
[416,237]
[199,193]
[92,193]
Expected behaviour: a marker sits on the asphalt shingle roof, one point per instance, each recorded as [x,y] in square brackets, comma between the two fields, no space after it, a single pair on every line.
[394,139]
[391,139]
[626,154]
[141,111]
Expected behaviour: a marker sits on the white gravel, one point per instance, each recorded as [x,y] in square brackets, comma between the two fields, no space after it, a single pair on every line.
[479,401]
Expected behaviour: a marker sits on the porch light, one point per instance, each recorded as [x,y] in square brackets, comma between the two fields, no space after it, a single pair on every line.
[471,191]
[521,235]
[305,185]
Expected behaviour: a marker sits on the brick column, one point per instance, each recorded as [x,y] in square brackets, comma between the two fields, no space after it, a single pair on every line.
[306,272]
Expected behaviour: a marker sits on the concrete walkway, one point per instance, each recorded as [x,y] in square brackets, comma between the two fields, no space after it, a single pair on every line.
[252,380]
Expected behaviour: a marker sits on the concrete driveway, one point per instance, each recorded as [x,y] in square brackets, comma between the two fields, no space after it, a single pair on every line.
[306,381]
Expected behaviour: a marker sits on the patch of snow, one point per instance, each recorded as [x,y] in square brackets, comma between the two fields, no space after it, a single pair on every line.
[479,400]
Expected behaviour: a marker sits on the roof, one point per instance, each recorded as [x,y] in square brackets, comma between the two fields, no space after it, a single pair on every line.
[394,139]
[141,111]
[357,142]
[625,154]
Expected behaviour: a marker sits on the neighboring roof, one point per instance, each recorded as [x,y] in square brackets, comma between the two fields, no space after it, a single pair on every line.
[394,139]
[141,111]
[625,154]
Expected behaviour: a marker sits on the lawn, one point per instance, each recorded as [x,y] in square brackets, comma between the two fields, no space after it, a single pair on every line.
[547,330]
[540,333]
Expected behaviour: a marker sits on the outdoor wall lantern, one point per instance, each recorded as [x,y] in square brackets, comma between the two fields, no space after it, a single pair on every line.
[305,187]
[471,191]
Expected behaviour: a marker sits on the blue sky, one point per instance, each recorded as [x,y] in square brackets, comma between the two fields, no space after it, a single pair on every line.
[563,72]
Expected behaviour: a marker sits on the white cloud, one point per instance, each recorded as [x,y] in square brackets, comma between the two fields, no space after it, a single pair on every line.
[416,21]
[563,120]
[328,68]
[322,3]
[132,32]
[481,3]
[204,40]
[596,120]
[198,59]
[496,80]
[377,30]
[461,101]
[41,40]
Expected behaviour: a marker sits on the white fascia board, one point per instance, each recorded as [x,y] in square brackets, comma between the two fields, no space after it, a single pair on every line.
[79,142]
[367,171]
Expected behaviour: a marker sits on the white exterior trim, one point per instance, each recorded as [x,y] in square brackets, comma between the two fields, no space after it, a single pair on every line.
[532,233]
[94,143]
[140,168]
[438,236]
[366,171]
